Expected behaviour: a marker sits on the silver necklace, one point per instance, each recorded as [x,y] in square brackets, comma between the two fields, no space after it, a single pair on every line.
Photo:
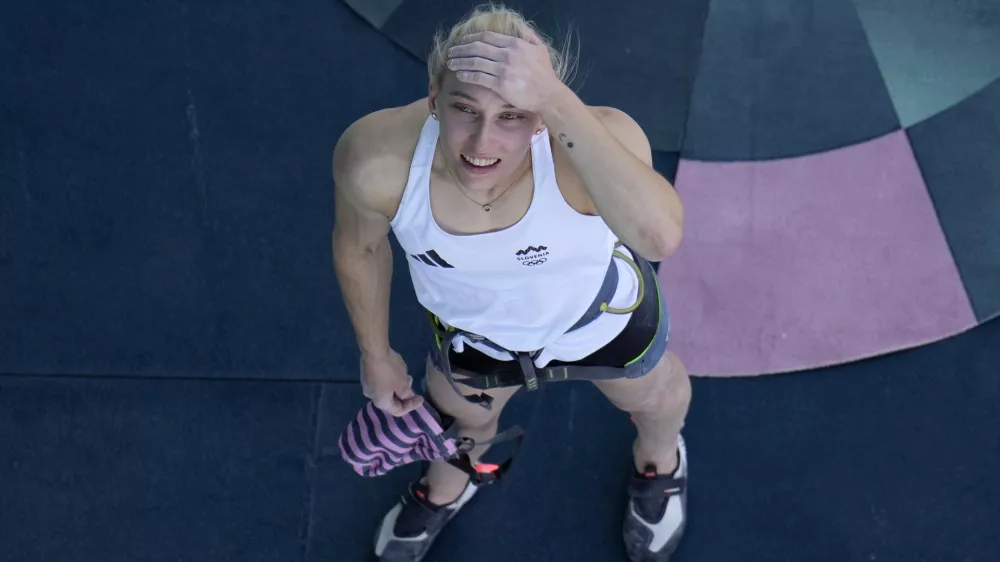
[487,207]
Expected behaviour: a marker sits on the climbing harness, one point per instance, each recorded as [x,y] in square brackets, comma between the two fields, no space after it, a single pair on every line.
[530,376]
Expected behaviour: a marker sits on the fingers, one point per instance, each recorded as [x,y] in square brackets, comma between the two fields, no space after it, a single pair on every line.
[473,64]
[480,78]
[400,400]
[477,57]
[489,37]
[389,404]
[396,406]
[478,49]
[405,390]
[409,404]
[407,400]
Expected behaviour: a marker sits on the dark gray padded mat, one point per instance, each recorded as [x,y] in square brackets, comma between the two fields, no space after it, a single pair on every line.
[170,200]
[957,152]
[155,470]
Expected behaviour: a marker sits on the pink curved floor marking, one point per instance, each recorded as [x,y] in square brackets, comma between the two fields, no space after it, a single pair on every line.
[810,261]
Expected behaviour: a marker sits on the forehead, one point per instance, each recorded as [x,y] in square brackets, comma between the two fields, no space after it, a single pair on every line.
[478,95]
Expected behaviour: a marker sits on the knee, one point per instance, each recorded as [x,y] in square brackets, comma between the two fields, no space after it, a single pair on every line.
[664,390]
[678,384]
[671,387]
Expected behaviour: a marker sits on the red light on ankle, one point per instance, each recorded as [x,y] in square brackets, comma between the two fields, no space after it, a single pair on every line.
[486,468]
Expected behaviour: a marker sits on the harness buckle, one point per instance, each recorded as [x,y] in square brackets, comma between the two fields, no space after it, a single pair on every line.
[528,368]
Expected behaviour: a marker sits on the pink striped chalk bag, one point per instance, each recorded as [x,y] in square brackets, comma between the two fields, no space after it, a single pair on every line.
[375,443]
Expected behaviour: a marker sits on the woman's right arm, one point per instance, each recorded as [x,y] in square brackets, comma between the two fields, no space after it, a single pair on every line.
[362,255]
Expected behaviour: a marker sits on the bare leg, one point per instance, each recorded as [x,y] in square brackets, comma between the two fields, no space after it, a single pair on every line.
[658,401]
[446,482]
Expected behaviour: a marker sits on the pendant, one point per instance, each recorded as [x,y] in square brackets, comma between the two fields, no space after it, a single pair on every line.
[487,208]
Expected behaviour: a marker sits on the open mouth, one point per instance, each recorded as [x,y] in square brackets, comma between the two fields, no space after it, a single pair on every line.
[480,165]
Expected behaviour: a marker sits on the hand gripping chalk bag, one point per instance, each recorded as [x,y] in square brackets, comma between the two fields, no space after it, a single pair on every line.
[376,442]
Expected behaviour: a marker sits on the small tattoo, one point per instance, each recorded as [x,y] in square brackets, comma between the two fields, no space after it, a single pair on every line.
[569,145]
[562,137]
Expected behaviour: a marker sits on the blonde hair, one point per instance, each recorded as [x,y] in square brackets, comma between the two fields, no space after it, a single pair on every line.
[498,18]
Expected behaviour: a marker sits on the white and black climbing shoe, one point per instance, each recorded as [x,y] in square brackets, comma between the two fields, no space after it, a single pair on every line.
[657,511]
[410,527]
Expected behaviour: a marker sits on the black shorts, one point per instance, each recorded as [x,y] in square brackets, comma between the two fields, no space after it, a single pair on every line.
[629,344]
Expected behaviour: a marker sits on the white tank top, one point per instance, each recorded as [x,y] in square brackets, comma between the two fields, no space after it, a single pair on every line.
[521,287]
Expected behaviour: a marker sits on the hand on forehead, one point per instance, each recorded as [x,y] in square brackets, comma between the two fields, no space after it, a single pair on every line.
[517,70]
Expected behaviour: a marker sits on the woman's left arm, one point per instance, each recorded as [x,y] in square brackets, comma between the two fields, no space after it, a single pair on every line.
[612,156]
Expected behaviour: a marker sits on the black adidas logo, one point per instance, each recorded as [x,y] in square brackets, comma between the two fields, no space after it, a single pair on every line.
[531,249]
[431,258]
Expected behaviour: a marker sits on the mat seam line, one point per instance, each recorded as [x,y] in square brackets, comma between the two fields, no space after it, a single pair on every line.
[309,503]
[147,378]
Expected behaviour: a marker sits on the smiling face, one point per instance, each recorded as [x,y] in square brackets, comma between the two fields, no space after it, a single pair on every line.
[484,139]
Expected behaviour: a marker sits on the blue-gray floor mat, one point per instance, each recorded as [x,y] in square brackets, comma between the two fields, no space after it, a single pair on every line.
[128,470]
[167,198]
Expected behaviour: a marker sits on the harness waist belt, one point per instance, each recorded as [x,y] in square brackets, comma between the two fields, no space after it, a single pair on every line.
[530,376]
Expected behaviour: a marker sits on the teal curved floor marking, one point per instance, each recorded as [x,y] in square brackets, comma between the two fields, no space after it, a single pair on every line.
[932,54]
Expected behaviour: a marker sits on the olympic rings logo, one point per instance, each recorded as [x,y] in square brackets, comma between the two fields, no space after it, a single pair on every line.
[534,262]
